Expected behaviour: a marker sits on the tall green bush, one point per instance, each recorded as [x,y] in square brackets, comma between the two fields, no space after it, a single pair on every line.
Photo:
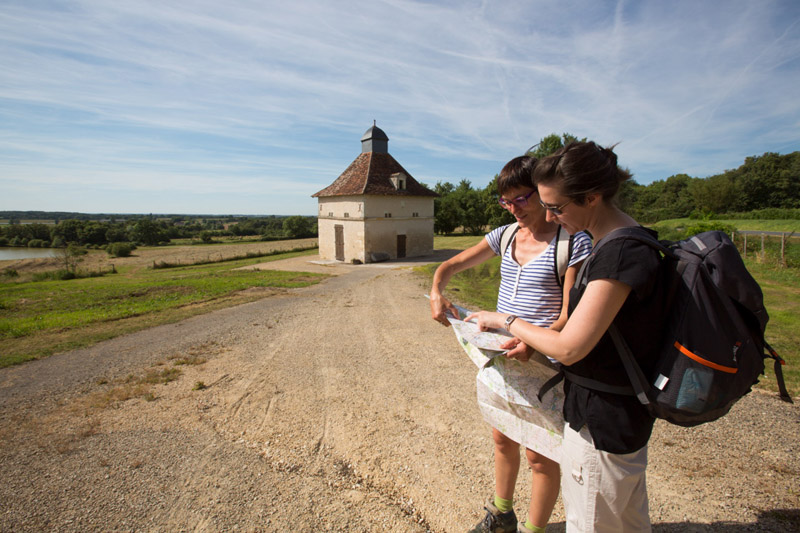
[120,249]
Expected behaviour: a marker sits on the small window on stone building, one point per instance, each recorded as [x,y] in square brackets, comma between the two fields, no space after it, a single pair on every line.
[330,214]
[347,215]
[387,215]
[399,180]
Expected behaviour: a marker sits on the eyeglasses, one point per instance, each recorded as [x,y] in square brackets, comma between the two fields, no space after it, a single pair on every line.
[557,211]
[519,201]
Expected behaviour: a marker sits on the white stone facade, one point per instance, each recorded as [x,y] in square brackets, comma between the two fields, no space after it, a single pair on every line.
[375,227]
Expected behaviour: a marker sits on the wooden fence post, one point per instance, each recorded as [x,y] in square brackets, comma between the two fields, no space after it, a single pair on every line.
[783,249]
[763,251]
[744,251]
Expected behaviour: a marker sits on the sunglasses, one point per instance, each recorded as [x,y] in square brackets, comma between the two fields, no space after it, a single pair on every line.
[519,201]
[556,210]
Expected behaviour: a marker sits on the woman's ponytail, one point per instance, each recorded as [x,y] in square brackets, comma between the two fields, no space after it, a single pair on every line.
[582,168]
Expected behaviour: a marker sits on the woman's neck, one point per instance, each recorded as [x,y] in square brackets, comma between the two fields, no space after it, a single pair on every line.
[608,218]
[540,229]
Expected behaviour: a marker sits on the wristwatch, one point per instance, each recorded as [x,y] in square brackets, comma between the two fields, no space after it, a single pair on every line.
[509,320]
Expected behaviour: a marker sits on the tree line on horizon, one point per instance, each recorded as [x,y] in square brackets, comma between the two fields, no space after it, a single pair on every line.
[764,187]
[99,231]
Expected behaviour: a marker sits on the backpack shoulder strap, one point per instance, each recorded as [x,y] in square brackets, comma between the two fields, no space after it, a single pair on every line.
[636,233]
[779,362]
[507,236]
[562,254]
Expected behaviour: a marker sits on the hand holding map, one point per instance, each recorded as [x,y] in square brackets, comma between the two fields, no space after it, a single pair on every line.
[484,340]
[507,389]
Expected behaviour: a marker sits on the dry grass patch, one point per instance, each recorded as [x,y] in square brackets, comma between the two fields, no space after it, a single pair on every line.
[196,355]
[142,385]
[49,434]
[128,388]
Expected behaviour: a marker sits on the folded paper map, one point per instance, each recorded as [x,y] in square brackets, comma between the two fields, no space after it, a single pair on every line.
[507,389]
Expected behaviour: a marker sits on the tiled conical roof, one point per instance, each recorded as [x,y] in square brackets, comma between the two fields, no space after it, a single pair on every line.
[371,173]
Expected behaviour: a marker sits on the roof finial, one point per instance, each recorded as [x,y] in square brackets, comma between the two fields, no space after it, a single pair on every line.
[374,122]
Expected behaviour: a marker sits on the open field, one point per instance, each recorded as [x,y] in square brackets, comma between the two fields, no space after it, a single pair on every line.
[144,257]
[50,221]
[786,226]
[38,318]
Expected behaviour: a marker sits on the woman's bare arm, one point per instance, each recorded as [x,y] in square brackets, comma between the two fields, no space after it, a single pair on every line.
[569,281]
[470,257]
[599,304]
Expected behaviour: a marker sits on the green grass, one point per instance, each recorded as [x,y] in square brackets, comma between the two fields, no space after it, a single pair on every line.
[786,226]
[477,289]
[781,288]
[455,242]
[41,318]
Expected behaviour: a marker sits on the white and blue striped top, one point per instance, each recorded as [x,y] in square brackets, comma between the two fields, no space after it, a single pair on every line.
[531,291]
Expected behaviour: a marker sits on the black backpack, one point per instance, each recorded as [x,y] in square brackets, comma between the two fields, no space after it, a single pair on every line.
[713,348]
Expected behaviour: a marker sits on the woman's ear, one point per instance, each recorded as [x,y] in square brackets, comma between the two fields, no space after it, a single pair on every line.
[593,199]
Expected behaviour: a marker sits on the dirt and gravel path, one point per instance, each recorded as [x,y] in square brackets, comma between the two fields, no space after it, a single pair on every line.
[338,407]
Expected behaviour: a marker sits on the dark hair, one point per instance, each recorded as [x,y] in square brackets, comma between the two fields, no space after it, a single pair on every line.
[582,168]
[517,173]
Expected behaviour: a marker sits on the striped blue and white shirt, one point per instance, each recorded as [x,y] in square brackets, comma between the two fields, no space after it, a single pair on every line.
[531,291]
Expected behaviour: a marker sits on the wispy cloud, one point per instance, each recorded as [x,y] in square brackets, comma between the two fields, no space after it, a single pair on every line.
[231,102]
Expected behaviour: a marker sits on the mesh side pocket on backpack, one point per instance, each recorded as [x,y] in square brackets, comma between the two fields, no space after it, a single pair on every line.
[694,390]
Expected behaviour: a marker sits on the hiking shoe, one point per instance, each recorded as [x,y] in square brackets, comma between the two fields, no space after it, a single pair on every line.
[496,522]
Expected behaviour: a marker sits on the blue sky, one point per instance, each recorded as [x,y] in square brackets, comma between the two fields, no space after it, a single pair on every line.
[244,107]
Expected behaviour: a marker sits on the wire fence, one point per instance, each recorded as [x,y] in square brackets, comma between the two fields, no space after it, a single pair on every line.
[769,247]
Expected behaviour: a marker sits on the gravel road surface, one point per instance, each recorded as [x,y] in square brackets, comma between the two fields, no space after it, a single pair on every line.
[337,407]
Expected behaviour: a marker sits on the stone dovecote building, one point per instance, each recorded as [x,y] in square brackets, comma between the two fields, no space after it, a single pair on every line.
[375,210]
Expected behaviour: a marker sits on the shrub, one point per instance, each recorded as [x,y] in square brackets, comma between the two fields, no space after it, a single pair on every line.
[60,275]
[707,225]
[64,275]
[120,249]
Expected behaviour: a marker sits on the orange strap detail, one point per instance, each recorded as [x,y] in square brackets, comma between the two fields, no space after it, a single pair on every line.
[685,351]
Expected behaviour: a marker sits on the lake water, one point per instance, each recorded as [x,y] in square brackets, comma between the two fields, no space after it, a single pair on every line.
[25,253]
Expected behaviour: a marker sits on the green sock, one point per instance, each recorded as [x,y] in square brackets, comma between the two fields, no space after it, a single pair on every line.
[502,504]
[533,528]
